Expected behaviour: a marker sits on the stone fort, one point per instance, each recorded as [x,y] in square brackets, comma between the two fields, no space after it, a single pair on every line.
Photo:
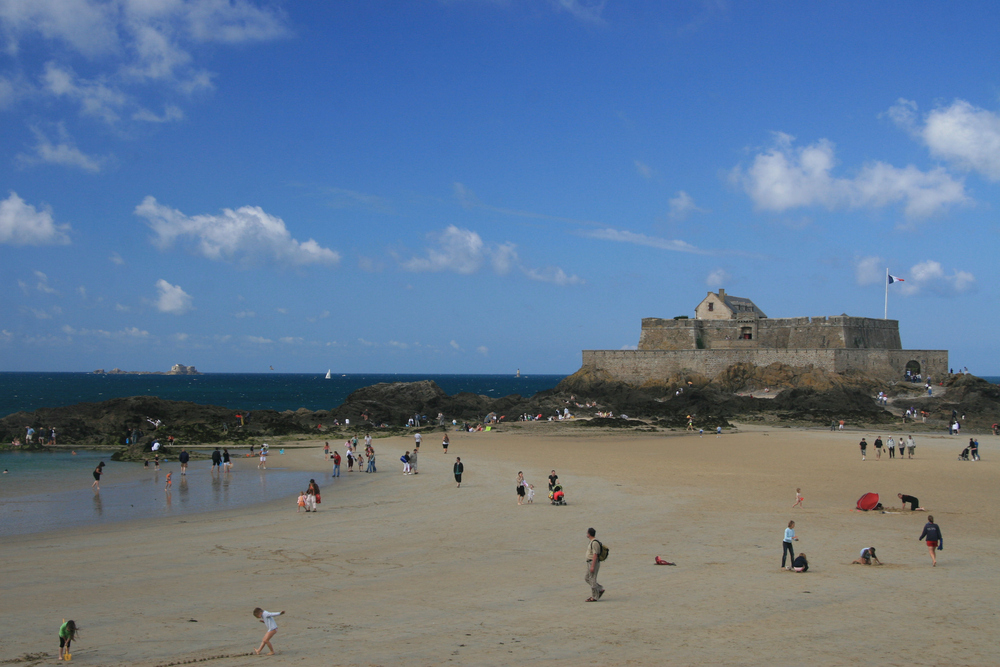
[727,330]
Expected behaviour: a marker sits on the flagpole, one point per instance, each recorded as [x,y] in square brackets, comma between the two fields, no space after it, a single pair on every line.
[885,316]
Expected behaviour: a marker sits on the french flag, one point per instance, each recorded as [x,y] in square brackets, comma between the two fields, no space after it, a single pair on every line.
[894,279]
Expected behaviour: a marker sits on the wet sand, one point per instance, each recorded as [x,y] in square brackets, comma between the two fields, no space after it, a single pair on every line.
[409,570]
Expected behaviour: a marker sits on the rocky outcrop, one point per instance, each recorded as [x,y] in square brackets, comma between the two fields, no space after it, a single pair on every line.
[176,369]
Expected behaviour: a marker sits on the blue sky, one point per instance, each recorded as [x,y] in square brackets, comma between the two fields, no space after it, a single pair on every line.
[475,186]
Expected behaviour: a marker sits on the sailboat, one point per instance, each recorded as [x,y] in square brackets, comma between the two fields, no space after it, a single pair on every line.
[328,373]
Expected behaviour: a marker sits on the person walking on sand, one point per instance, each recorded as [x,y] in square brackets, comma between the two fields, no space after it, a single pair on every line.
[267,618]
[786,545]
[413,461]
[445,442]
[891,444]
[227,463]
[184,457]
[169,483]
[932,533]
[910,446]
[878,448]
[416,441]
[593,566]
[326,451]
[216,460]
[405,459]
[864,448]
[67,633]
[458,469]
[521,484]
[336,464]
[798,498]
[371,459]
[263,459]
[98,471]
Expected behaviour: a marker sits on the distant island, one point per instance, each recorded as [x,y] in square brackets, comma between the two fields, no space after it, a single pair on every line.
[176,369]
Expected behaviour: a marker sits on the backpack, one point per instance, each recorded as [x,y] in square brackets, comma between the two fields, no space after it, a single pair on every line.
[602,553]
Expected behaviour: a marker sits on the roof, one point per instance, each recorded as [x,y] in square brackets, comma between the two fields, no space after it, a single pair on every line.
[740,305]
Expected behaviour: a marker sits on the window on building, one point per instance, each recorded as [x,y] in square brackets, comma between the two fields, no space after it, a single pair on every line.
[746,333]
[711,306]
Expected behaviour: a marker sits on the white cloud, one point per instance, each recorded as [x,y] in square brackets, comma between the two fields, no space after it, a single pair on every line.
[398,345]
[588,11]
[554,275]
[504,257]
[366,343]
[43,283]
[869,270]
[23,224]
[171,113]
[180,337]
[962,134]
[172,298]
[95,98]
[64,153]
[623,236]
[247,234]
[245,313]
[717,278]
[629,347]
[786,177]
[643,169]
[132,42]
[82,291]
[131,332]
[291,340]
[319,316]
[455,345]
[115,258]
[929,276]
[464,251]
[459,250]
[682,205]
[121,308]
[257,340]
[482,349]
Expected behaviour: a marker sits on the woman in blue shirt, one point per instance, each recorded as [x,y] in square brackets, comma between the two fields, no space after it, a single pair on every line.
[786,545]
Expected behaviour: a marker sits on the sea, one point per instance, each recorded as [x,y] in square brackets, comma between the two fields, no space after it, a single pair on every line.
[238,391]
[41,491]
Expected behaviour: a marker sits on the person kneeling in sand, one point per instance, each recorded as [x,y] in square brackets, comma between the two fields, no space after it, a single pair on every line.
[800,564]
[267,618]
[914,503]
[868,557]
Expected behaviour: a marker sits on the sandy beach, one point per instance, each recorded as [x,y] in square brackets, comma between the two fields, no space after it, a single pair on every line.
[409,570]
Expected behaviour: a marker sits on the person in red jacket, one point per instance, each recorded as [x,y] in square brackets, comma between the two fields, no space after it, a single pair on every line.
[336,464]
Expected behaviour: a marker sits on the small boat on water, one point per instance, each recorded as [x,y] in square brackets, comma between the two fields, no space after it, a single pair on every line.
[328,373]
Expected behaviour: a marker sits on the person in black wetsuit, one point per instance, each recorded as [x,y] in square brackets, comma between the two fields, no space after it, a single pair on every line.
[914,503]
[932,533]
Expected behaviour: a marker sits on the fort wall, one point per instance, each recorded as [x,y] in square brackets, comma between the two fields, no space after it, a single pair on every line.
[639,366]
[787,333]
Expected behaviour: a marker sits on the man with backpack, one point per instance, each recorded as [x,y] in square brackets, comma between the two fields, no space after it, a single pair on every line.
[595,554]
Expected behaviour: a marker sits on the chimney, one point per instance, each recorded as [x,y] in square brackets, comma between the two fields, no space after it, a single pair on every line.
[722,294]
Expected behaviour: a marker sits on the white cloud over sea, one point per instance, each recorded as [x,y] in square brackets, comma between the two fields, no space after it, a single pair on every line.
[247,235]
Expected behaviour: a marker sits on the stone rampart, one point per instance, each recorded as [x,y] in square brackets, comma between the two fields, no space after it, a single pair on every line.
[639,366]
[786,333]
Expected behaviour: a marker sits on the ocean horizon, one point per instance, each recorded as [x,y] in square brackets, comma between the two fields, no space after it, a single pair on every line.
[24,391]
